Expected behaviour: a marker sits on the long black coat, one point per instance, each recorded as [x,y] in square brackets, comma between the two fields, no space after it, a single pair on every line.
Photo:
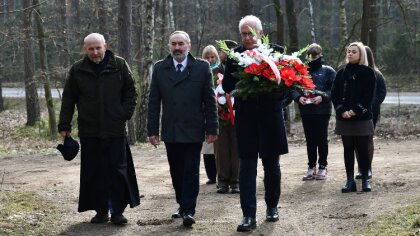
[259,121]
[188,102]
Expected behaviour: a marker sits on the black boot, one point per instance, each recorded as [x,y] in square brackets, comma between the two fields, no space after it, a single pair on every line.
[350,186]
[247,224]
[366,187]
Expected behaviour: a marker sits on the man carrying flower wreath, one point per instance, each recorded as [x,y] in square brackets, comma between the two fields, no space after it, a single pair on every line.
[260,131]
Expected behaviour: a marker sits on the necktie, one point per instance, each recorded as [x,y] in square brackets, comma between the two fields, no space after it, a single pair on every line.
[178,69]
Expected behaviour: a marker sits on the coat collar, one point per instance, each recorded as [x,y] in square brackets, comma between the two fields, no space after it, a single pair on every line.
[169,66]
[112,63]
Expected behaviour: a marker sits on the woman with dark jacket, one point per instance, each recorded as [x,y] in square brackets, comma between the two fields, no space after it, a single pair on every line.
[315,110]
[380,93]
[352,96]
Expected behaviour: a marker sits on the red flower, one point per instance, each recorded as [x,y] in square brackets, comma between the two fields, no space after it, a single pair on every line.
[224,116]
[254,69]
[288,74]
[269,74]
[301,68]
[307,83]
[285,62]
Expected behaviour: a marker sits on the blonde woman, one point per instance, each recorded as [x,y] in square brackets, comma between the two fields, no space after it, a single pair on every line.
[352,96]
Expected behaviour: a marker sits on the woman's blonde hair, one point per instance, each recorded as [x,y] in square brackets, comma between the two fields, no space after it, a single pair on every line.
[210,49]
[363,58]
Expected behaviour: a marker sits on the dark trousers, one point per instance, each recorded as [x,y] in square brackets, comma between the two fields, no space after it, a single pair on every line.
[247,183]
[210,166]
[361,144]
[227,160]
[316,134]
[184,164]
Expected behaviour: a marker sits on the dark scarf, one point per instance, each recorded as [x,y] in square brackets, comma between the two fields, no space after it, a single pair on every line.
[315,64]
[98,68]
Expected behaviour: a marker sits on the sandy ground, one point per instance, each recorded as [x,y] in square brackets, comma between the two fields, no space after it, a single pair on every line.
[306,208]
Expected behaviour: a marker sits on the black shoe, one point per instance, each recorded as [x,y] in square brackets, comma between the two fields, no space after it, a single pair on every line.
[177,214]
[235,189]
[350,186]
[366,187]
[211,181]
[247,224]
[222,189]
[188,219]
[100,218]
[272,214]
[118,219]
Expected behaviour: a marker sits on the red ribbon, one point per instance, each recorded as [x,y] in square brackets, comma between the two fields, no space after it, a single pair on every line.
[230,108]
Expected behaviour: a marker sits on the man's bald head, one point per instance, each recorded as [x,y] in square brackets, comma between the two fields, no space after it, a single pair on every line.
[94,37]
[95,47]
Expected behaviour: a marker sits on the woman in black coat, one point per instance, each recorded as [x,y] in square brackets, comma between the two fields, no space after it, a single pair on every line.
[380,93]
[352,96]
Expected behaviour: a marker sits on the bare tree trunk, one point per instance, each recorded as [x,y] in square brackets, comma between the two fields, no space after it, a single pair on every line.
[102,16]
[200,25]
[160,16]
[62,42]
[293,38]
[171,20]
[343,22]
[292,22]
[45,73]
[311,16]
[280,22]
[364,34]
[373,25]
[33,113]
[125,48]
[1,94]
[245,8]
[145,76]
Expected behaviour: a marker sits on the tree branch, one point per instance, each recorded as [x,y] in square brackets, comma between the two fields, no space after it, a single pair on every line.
[25,9]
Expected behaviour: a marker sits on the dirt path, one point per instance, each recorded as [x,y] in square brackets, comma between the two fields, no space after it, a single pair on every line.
[306,208]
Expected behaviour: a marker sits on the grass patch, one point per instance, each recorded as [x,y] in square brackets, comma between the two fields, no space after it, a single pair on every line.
[25,213]
[405,222]
[403,83]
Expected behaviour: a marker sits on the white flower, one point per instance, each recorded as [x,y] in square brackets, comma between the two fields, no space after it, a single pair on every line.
[219,89]
[221,100]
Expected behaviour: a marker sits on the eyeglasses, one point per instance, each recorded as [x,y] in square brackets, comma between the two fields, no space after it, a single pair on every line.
[246,34]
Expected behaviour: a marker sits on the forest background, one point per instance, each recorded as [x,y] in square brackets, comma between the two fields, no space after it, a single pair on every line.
[40,40]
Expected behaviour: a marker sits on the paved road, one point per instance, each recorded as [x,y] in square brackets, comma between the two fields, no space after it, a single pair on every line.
[392,98]
[20,92]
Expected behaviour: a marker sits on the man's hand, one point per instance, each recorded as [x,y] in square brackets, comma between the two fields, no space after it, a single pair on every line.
[352,113]
[211,138]
[316,100]
[302,100]
[154,140]
[346,115]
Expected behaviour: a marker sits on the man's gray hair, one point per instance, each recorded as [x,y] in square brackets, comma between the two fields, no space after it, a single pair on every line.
[97,36]
[251,19]
[183,33]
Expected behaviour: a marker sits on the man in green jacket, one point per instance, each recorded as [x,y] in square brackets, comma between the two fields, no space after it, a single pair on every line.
[102,88]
